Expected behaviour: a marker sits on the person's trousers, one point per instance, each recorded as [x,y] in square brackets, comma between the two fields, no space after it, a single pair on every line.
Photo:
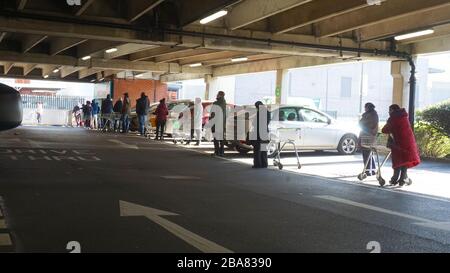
[219,147]
[160,127]
[125,123]
[95,121]
[400,174]
[259,156]
[371,168]
[142,124]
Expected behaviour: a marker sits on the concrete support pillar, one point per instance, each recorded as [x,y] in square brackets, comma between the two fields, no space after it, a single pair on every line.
[208,81]
[400,71]
[281,89]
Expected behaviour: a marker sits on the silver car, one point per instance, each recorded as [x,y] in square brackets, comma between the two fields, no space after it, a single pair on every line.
[317,130]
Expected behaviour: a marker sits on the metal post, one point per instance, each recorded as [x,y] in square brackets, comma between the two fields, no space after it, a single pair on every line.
[412,92]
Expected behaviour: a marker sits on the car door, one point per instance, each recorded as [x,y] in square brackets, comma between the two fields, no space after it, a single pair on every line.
[318,132]
[286,118]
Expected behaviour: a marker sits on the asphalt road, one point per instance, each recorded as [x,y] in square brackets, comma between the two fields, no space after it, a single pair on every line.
[115,193]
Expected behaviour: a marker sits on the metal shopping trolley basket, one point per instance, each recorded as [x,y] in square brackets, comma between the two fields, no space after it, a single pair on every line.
[377,145]
[282,138]
[179,135]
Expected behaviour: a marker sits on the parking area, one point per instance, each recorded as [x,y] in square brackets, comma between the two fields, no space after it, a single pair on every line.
[69,189]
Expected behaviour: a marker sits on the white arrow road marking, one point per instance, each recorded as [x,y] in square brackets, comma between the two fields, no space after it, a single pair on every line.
[123,144]
[421,221]
[129,209]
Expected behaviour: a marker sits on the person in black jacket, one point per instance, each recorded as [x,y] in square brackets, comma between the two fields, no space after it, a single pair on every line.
[142,109]
[107,108]
[117,111]
[260,143]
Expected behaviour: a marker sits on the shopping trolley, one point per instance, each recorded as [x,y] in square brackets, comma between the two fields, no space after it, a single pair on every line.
[179,134]
[377,145]
[109,120]
[282,138]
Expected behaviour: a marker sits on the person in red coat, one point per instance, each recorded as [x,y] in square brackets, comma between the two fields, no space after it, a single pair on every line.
[161,118]
[403,145]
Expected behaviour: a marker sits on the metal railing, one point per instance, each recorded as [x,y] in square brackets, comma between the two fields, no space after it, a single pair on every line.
[52,102]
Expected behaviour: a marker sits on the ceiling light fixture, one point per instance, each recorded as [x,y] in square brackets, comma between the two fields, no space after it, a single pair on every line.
[196,65]
[56,70]
[45,76]
[85,58]
[414,34]
[111,50]
[243,59]
[213,17]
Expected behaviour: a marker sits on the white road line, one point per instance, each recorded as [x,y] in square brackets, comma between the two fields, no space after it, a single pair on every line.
[369,207]
[2,224]
[5,239]
[123,144]
[445,226]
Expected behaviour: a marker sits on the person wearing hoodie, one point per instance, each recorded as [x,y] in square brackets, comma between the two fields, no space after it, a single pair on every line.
[405,154]
[95,112]
[117,111]
[261,132]
[197,122]
[368,135]
[142,109]
[219,107]
[126,112]
[161,118]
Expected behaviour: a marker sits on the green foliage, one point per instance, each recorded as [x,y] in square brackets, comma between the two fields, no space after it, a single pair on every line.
[431,141]
[437,116]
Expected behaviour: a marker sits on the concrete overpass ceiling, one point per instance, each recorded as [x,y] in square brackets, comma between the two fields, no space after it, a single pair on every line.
[166,36]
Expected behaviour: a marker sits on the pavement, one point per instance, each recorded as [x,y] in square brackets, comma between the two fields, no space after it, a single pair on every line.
[72,190]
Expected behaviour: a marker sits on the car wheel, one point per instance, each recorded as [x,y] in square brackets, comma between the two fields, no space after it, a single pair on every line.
[347,145]
[272,149]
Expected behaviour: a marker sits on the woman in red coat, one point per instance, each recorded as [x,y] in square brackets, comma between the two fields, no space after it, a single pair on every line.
[405,154]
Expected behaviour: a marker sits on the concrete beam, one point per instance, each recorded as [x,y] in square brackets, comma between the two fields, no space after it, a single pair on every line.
[250,11]
[156,52]
[183,55]
[374,14]
[68,70]
[212,57]
[93,48]
[87,72]
[58,45]
[274,64]
[30,41]
[7,67]
[21,4]
[81,31]
[100,64]
[85,5]
[181,77]
[267,47]
[310,13]
[406,24]
[28,68]
[136,9]
[2,36]
[439,45]
[127,49]
[251,58]
[47,69]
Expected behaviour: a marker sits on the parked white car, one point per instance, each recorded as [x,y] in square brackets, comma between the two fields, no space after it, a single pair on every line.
[318,131]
